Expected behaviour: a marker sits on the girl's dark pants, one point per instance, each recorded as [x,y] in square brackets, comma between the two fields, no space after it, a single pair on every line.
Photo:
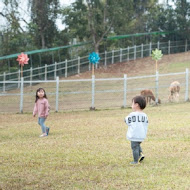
[136,149]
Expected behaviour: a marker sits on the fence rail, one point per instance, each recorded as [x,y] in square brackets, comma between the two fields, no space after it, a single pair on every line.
[91,93]
[81,64]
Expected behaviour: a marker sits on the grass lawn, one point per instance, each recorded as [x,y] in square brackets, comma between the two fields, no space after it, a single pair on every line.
[88,150]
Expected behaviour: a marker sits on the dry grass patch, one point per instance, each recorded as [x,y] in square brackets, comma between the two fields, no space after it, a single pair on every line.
[88,150]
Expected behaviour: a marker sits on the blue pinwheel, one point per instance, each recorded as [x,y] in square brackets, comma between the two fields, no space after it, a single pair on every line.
[94,58]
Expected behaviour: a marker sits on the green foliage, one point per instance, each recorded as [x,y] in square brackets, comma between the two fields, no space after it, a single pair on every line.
[182,17]
[43,16]
[76,20]
[161,19]
[91,20]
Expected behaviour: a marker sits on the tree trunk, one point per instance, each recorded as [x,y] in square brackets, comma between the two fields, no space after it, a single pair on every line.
[43,40]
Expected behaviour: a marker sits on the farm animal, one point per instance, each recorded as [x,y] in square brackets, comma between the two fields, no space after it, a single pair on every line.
[174,91]
[148,94]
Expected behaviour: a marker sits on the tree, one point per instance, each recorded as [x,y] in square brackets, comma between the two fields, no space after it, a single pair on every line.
[43,15]
[183,14]
[13,36]
[93,19]
[97,19]
[161,19]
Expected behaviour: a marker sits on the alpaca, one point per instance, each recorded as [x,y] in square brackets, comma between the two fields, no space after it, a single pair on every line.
[174,91]
[148,94]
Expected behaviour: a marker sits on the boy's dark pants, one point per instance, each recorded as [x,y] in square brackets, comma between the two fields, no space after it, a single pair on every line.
[136,148]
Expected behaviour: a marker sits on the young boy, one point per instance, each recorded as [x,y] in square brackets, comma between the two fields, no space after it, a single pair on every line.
[137,122]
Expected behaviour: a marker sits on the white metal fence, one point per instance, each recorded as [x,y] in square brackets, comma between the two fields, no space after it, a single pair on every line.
[91,93]
[81,64]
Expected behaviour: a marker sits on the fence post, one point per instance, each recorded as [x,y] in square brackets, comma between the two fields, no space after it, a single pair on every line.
[31,76]
[141,50]
[112,57]
[128,53]
[57,94]
[158,45]
[105,61]
[55,71]
[89,66]
[187,85]
[39,72]
[4,79]
[150,49]
[21,94]
[78,65]
[19,78]
[66,68]
[93,92]
[156,89]
[134,52]
[169,47]
[125,92]
[185,45]
[120,57]
[45,77]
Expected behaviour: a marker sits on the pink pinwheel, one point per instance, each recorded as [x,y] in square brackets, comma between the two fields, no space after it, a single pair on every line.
[22,59]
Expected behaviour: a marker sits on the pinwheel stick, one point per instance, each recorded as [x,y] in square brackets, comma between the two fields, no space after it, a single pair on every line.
[92,69]
[21,71]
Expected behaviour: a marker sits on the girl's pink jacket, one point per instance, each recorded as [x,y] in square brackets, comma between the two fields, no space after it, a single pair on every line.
[41,108]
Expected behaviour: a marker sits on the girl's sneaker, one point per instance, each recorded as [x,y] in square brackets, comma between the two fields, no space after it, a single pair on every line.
[47,130]
[43,135]
[134,163]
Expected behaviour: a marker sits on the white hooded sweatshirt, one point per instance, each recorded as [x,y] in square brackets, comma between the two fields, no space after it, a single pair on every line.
[137,126]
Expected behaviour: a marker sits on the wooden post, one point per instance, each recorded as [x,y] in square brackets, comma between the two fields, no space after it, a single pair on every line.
[92,69]
[156,65]
[21,71]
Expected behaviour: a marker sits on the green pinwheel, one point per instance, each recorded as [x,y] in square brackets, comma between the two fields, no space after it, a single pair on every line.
[156,55]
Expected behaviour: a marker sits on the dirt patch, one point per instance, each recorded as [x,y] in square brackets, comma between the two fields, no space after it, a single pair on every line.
[141,66]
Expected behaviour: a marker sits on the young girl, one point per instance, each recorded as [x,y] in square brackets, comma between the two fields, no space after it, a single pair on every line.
[41,108]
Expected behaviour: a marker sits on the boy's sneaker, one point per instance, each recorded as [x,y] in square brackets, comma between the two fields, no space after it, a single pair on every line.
[141,158]
[47,130]
[134,163]
[43,135]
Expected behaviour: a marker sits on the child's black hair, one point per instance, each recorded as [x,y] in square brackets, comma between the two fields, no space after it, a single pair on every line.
[38,90]
[141,101]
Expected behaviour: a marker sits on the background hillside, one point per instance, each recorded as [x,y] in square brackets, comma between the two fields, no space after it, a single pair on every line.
[109,91]
[143,66]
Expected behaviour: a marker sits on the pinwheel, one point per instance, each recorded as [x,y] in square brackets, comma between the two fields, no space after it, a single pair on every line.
[157,55]
[94,59]
[22,59]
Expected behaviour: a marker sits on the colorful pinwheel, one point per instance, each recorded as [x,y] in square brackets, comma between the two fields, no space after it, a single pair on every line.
[94,59]
[22,59]
[156,55]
